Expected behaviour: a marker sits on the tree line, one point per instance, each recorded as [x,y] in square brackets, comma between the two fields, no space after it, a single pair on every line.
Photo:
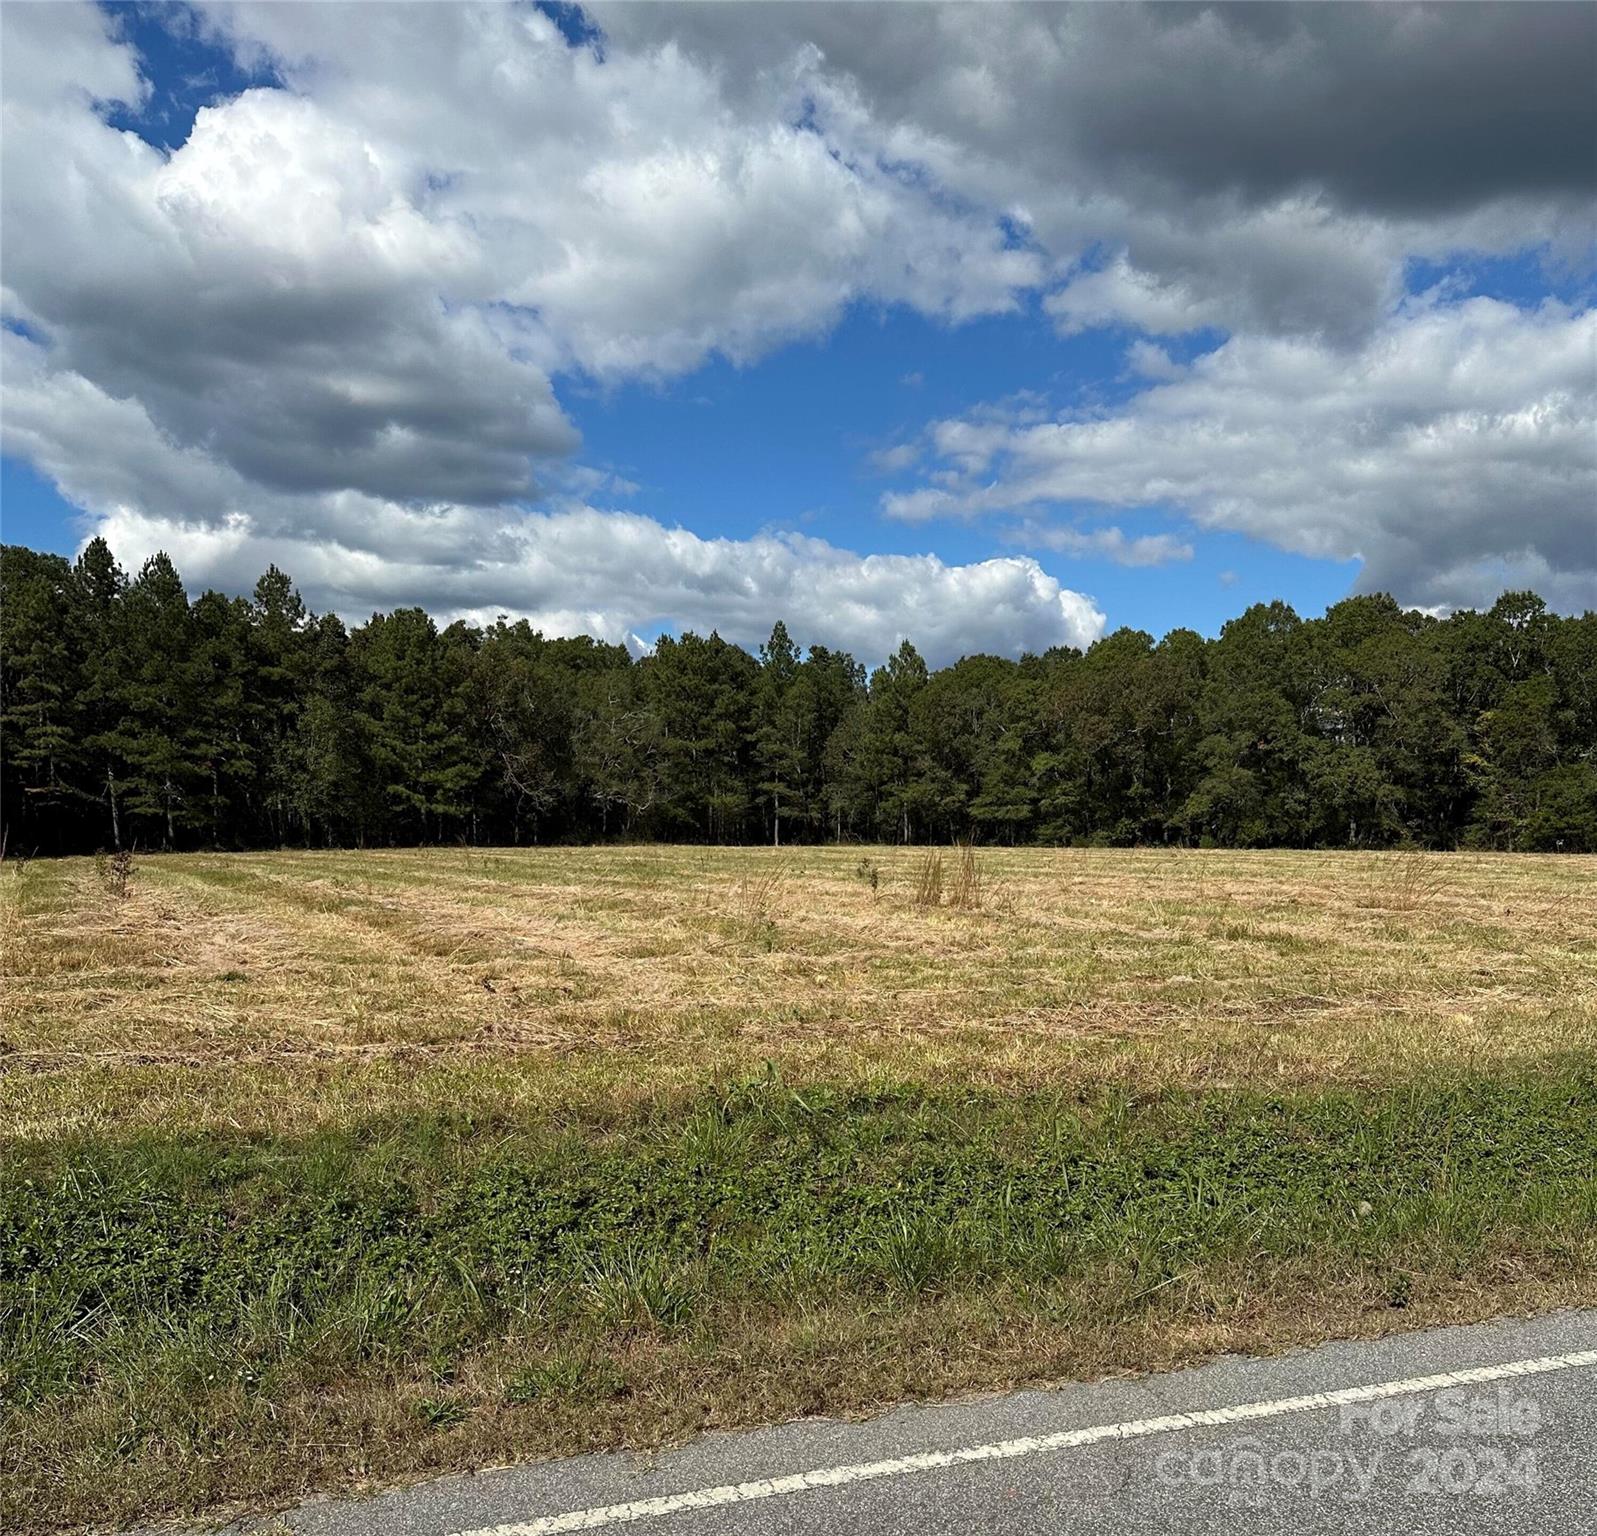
[130,715]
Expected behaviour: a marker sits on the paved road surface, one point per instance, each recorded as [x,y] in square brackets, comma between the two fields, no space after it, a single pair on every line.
[1504,1443]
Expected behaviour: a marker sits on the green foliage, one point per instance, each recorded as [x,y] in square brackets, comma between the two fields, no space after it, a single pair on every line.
[132,715]
[639,1287]
[916,1253]
[414,1241]
[441,1412]
[564,1373]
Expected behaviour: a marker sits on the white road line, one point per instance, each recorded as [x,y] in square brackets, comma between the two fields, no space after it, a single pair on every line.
[1006,1450]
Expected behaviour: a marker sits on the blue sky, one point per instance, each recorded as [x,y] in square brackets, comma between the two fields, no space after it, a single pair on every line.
[787,442]
[649,290]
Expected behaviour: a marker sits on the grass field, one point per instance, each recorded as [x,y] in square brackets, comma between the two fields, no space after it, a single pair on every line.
[324,1169]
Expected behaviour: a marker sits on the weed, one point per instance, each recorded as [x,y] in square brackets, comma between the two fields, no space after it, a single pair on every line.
[929,880]
[115,873]
[640,1288]
[916,1253]
[1409,881]
[756,894]
[966,890]
[564,1373]
[712,1138]
[442,1412]
[868,871]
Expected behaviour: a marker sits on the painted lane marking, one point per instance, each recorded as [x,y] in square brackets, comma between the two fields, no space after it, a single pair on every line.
[1007,1450]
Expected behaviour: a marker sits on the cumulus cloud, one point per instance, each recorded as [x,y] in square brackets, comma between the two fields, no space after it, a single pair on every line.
[1455,453]
[1263,166]
[364,281]
[642,215]
[575,569]
[1103,543]
[580,570]
[337,320]
[269,294]
[1403,108]
[323,330]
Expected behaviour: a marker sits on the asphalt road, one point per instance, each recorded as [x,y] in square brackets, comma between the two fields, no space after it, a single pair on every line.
[1505,1444]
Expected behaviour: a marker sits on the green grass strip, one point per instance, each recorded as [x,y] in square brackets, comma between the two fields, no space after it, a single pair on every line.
[407,1239]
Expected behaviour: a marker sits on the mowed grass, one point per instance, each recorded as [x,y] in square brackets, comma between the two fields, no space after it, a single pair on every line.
[325,1169]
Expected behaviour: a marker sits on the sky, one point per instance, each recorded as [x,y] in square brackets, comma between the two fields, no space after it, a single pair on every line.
[994,327]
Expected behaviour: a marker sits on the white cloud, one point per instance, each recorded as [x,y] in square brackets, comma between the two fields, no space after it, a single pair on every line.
[66,59]
[269,295]
[1455,452]
[1253,167]
[364,282]
[612,574]
[322,331]
[329,323]
[1103,544]
[644,217]
[1146,360]
[895,458]
[576,569]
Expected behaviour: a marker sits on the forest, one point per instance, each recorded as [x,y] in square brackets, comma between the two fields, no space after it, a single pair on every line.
[135,717]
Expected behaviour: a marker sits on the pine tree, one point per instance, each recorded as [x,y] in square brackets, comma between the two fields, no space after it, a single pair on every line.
[157,737]
[100,587]
[783,715]
[41,745]
[279,659]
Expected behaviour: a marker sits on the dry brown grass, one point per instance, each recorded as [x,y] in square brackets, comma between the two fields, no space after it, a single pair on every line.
[253,987]
[1405,881]
[965,893]
[929,879]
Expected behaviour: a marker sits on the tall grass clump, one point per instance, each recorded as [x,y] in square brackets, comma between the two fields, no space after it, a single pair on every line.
[929,880]
[966,890]
[1410,880]
[753,904]
[917,1253]
[641,1288]
[962,889]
